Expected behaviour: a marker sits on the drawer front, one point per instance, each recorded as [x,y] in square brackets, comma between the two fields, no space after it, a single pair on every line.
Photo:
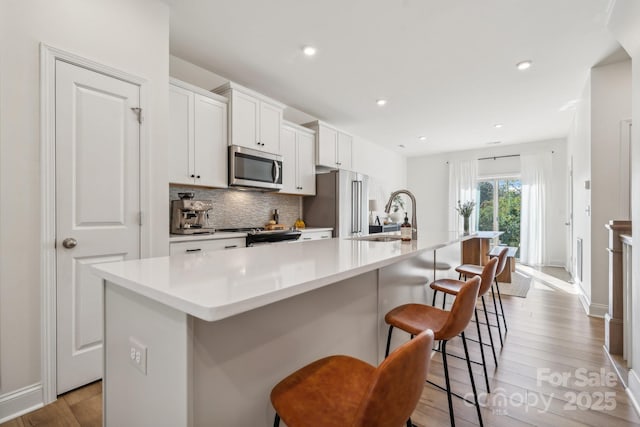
[201,246]
[315,235]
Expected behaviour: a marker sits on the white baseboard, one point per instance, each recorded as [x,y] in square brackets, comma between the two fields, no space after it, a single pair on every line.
[20,402]
[633,390]
[584,300]
[598,310]
[592,309]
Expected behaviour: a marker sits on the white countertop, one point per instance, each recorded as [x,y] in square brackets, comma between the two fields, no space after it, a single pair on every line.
[224,235]
[220,284]
[213,236]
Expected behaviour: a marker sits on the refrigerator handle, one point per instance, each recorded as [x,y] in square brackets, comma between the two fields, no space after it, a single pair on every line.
[359,207]
[354,207]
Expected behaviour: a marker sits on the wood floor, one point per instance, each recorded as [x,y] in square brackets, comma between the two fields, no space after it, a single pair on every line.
[552,372]
[81,407]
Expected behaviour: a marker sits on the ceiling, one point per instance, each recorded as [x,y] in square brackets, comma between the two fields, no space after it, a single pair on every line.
[446,67]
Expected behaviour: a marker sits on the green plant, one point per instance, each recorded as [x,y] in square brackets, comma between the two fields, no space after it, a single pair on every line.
[465,209]
[398,203]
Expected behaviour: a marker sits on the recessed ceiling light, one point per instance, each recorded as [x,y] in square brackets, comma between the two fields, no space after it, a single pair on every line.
[309,50]
[498,125]
[381,102]
[524,65]
[422,138]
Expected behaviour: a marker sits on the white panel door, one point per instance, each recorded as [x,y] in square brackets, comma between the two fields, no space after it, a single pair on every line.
[345,143]
[306,164]
[270,126]
[289,161]
[97,205]
[181,139]
[327,146]
[244,121]
[210,135]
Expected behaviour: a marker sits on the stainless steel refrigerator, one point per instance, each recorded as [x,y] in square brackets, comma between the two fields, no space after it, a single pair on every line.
[341,202]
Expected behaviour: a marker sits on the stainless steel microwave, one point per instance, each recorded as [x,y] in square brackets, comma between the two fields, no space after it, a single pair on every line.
[255,169]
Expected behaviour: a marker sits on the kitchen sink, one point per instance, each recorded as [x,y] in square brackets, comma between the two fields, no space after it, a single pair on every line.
[374,238]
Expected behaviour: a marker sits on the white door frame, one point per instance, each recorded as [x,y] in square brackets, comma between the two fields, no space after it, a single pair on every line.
[48,57]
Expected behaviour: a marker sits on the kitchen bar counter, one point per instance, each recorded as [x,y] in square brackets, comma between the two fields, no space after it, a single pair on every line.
[215,332]
[216,285]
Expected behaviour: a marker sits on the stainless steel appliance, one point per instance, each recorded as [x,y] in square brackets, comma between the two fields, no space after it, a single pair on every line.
[258,235]
[190,216]
[254,169]
[341,202]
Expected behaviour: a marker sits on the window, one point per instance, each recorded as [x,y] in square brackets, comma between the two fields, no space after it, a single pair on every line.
[499,208]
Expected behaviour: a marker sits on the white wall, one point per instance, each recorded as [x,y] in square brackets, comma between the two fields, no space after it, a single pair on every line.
[386,168]
[595,147]
[625,25]
[579,155]
[387,171]
[428,179]
[610,104]
[130,36]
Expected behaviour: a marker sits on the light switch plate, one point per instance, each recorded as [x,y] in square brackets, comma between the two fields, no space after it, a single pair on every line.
[138,355]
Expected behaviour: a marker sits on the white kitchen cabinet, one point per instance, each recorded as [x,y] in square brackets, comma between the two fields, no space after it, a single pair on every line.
[333,147]
[197,136]
[255,121]
[315,235]
[202,246]
[297,150]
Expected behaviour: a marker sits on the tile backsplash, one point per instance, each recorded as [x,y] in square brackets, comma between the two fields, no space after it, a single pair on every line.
[236,208]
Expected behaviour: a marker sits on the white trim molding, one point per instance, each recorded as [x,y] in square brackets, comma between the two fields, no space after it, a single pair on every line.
[633,390]
[20,402]
[48,57]
[592,309]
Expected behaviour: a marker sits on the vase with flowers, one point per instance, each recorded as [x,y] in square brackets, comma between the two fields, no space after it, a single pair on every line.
[397,204]
[465,209]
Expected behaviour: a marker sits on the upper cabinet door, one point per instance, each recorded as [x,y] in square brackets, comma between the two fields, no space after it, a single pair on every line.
[327,146]
[245,111]
[306,164]
[197,136]
[345,143]
[289,160]
[255,119]
[180,135]
[270,125]
[210,142]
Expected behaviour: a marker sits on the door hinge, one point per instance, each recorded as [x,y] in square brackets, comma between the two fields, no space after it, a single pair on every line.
[138,112]
[140,218]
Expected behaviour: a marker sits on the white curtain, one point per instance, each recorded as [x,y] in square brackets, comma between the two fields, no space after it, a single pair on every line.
[535,178]
[462,186]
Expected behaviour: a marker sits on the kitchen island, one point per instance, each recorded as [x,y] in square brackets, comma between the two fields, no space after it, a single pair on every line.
[200,339]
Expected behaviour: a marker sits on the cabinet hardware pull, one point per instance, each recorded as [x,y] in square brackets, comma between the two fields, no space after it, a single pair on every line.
[193,176]
[198,176]
[231,246]
[324,237]
[306,238]
[194,250]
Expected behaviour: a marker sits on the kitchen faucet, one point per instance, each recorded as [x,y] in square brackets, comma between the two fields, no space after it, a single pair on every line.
[414,221]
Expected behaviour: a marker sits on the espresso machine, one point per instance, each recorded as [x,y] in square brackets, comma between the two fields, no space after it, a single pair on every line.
[190,216]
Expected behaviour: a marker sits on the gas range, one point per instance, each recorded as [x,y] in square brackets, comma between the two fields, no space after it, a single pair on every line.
[258,235]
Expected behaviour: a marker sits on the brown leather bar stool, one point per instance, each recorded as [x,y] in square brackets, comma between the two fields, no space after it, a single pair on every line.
[470,270]
[415,318]
[452,287]
[340,391]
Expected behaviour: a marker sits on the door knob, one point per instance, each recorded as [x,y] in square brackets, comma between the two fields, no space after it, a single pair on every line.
[69,243]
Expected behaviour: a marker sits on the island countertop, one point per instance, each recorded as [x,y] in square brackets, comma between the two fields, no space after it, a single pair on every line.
[216,285]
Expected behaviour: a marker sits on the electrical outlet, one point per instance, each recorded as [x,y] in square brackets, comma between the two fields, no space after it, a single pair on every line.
[138,355]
